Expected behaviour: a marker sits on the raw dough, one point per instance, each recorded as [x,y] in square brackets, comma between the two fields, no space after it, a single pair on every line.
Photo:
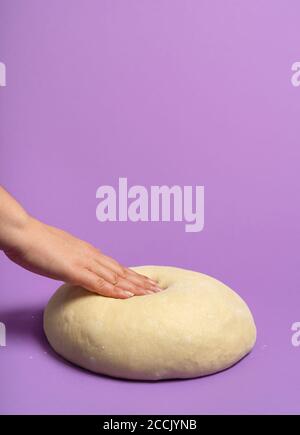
[195,327]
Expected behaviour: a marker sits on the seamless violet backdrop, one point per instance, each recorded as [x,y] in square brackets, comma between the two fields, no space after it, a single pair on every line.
[161,92]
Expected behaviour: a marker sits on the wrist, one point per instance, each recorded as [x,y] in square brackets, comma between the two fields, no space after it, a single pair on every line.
[15,223]
[16,231]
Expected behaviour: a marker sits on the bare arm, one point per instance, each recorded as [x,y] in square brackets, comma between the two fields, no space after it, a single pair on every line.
[54,253]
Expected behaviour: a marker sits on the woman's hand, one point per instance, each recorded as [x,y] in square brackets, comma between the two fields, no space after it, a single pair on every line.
[54,253]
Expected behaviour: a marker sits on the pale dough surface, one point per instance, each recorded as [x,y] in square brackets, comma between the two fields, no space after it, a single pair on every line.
[197,326]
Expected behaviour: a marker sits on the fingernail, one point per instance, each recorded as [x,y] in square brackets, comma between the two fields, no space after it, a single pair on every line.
[155,288]
[129,294]
[145,290]
[152,282]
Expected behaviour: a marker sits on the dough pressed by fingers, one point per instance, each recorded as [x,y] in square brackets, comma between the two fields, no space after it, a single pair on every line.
[195,327]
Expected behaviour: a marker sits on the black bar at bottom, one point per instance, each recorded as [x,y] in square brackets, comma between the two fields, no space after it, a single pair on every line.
[102,424]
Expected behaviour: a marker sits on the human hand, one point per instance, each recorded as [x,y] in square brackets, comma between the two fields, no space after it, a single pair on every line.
[54,253]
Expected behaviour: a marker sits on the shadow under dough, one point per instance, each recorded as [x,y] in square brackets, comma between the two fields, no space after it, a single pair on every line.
[28,323]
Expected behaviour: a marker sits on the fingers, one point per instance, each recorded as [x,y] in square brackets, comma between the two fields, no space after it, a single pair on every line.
[130,283]
[104,275]
[140,281]
[96,284]
[126,285]
[107,283]
[115,280]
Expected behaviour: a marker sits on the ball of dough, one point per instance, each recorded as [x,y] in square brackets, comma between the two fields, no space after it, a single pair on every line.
[195,327]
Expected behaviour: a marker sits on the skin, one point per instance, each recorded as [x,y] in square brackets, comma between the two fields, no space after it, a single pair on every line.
[51,252]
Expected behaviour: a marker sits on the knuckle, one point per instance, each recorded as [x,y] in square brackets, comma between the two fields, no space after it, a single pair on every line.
[127,272]
[122,271]
[100,283]
[133,288]
[115,278]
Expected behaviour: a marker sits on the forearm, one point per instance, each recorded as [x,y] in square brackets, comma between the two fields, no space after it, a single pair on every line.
[57,254]
[13,220]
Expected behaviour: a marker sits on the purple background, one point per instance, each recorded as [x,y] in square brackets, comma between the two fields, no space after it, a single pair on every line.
[162,92]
